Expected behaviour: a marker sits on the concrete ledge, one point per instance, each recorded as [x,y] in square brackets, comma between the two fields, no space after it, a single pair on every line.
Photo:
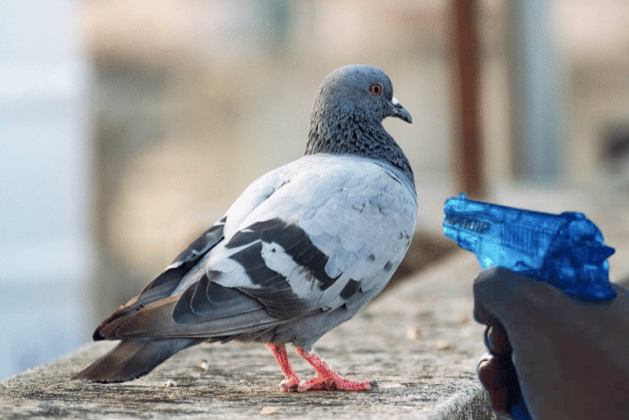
[430,375]
[418,342]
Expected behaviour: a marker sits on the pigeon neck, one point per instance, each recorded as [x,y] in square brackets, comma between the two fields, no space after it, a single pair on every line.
[360,138]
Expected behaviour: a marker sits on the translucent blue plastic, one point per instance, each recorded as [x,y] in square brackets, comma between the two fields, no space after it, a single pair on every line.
[566,250]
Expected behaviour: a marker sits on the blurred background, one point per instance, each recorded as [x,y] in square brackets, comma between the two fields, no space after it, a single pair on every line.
[129,126]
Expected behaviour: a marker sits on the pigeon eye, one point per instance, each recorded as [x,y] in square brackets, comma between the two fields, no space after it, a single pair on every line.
[375,90]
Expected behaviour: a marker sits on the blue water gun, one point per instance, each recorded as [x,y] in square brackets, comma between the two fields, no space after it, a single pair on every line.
[566,250]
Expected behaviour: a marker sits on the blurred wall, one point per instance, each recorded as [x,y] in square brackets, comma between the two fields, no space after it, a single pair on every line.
[196,99]
[46,253]
[135,131]
[594,36]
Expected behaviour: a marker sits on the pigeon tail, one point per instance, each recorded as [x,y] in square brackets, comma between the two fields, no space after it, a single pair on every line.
[132,359]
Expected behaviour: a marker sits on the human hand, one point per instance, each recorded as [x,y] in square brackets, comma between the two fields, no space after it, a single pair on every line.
[569,359]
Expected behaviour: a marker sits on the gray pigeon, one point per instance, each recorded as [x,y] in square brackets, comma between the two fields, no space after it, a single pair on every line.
[299,252]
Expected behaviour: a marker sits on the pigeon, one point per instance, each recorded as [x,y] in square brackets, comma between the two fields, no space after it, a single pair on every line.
[299,252]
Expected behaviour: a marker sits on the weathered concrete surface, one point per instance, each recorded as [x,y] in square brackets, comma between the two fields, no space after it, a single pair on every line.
[430,376]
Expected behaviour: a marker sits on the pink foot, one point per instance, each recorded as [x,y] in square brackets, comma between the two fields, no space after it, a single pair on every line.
[327,379]
[290,385]
[291,381]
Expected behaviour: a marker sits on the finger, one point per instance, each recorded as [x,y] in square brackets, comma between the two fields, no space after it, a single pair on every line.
[498,398]
[492,289]
[496,339]
[493,371]
[502,294]
[498,376]
[491,377]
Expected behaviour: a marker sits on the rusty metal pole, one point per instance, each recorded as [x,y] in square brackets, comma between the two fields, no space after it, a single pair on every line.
[466,92]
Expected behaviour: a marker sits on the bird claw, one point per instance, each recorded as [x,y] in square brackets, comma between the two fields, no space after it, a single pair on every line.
[291,385]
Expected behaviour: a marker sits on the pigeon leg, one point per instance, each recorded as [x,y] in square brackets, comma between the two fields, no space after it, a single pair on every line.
[327,379]
[292,380]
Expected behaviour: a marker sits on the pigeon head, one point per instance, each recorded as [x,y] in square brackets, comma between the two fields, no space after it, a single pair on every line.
[348,112]
[360,91]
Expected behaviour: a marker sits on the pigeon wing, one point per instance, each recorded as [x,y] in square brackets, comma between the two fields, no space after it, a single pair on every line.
[150,313]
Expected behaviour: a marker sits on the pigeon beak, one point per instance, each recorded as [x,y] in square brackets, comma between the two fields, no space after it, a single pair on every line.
[400,112]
